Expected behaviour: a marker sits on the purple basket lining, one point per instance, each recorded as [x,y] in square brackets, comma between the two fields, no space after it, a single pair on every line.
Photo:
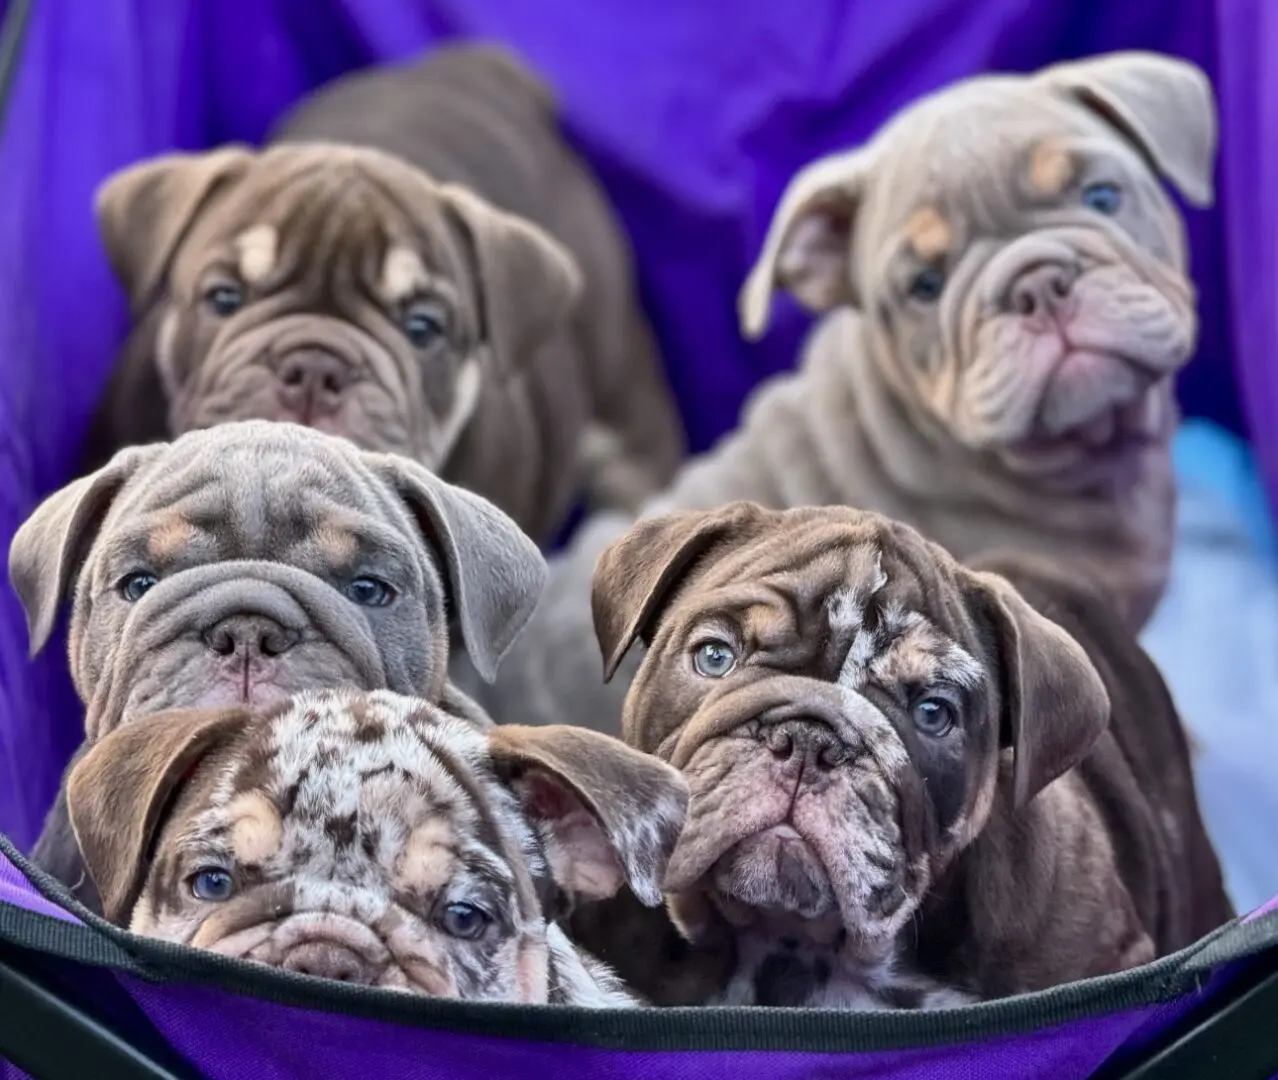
[1173,978]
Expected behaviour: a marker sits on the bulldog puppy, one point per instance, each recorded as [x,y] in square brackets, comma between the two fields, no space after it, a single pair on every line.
[375,272]
[910,787]
[1005,281]
[247,562]
[375,839]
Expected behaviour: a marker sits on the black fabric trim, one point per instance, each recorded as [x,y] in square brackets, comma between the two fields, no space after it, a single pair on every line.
[758,1029]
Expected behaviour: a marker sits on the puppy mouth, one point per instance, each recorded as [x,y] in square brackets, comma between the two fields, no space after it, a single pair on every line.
[774,871]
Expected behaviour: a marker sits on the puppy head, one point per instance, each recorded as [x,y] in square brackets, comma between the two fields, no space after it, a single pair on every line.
[246,562]
[846,702]
[331,286]
[370,837]
[1019,267]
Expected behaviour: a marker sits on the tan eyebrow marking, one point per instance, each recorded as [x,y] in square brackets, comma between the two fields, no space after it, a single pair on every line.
[1051,168]
[257,831]
[258,248]
[920,653]
[337,545]
[170,535]
[928,233]
[403,275]
[427,860]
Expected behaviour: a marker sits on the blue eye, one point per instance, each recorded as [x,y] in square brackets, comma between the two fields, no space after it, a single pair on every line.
[714,659]
[934,716]
[464,921]
[1104,198]
[224,300]
[136,585]
[212,885]
[369,592]
[423,323]
[927,285]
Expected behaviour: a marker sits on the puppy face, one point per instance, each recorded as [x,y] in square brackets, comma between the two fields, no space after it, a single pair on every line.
[1020,269]
[373,839]
[244,563]
[329,286]
[846,702]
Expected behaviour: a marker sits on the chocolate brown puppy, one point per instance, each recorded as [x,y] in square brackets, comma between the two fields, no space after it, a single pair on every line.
[249,561]
[1007,305]
[375,839]
[910,787]
[384,269]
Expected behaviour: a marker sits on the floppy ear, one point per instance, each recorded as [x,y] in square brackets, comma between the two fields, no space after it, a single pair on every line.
[635,574]
[1164,105]
[119,792]
[1055,705]
[51,545]
[612,814]
[145,210]
[494,570]
[807,251]
[529,283]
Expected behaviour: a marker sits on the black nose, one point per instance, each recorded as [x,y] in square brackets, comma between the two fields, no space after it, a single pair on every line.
[1041,289]
[808,743]
[251,635]
[313,381]
[329,960]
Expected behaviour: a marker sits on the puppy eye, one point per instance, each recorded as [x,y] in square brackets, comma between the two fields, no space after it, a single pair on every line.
[463,921]
[714,659]
[136,585]
[1104,198]
[934,716]
[224,300]
[926,286]
[212,885]
[369,592]
[423,322]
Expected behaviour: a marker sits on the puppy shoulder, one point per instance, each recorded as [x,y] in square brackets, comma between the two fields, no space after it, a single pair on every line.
[577,978]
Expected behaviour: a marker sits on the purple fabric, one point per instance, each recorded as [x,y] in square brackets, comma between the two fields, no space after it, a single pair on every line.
[694,114]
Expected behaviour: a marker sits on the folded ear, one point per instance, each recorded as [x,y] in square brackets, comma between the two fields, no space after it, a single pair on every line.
[529,283]
[635,575]
[612,815]
[145,210]
[808,248]
[495,572]
[51,546]
[1162,104]
[120,791]
[1055,705]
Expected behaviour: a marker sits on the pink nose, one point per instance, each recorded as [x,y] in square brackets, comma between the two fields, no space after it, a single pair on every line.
[1041,289]
[313,381]
[329,960]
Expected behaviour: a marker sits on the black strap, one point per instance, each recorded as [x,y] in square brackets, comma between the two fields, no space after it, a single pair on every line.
[1234,1037]
[52,1030]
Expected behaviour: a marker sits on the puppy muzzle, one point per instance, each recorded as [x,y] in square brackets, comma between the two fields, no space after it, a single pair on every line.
[794,805]
[235,624]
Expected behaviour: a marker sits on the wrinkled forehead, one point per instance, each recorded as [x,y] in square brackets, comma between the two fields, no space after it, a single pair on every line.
[259,497]
[357,778]
[981,156]
[329,212]
[861,592]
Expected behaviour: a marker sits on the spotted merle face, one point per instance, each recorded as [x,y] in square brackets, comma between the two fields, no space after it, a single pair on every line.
[838,693]
[376,839]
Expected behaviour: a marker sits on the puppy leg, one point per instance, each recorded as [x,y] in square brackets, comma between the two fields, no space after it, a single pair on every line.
[58,855]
